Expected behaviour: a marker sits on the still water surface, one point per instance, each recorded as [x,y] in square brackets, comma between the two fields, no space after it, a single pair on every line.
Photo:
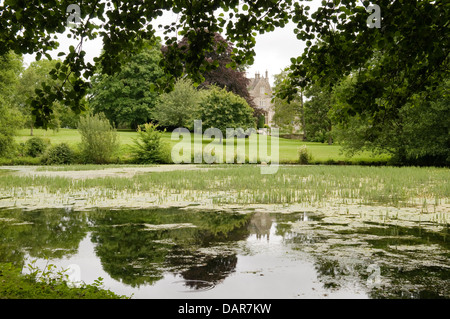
[176,253]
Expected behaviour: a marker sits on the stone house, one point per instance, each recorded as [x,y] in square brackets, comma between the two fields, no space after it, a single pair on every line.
[261,93]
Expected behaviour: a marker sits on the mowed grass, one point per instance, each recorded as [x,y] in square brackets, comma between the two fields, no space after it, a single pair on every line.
[288,149]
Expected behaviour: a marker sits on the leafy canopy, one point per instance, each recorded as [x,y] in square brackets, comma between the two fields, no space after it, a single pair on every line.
[224,71]
[126,97]
[408,54]
[10,116]
[28,27]
[222,109]
[178,108]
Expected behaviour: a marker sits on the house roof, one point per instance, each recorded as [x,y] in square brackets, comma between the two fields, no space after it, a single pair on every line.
[253,83]
[256,80]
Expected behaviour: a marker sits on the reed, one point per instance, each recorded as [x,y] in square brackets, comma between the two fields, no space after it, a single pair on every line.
[244,184]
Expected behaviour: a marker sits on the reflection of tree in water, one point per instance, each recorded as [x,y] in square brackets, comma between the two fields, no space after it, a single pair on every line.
[212,270]
[51,233]
[137,255]
[421,283]
[128,254]
[402,273]
[342,262]
[395,283]
[336,273]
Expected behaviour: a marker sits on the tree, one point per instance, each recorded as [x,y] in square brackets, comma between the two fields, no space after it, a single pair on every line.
[31,80]
[222,109]
[177,108]
[30,27]
[223,71]
[10,121]
[411,47]
[11,66]
[345,44]
[426,128]
[126,98]
[389,67]
[226,74]
[418,136]
[10,117]
[288,115]
[318,125]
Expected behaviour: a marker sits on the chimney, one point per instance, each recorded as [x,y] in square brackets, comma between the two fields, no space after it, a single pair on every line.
[267,74]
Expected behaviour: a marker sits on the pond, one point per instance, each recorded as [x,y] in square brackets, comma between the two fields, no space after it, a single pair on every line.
[187,253]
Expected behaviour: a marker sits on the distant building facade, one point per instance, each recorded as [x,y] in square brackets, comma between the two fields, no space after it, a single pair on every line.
[261,93]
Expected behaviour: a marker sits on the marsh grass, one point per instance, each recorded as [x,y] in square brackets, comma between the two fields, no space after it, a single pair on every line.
[244,184]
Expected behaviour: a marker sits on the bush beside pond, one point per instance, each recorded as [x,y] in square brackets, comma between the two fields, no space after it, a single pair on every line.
[15,285]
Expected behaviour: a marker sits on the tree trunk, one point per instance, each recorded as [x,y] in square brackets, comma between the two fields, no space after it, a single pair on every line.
[330,138]
[31,130]
[303,117]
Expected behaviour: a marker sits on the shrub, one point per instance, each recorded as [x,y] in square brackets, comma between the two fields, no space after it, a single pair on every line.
[59,154]
[99,140]
[261,121]
[304,156]
[6,143]
[21,160]
[149,148]
[221,109]
[35,146]
[48,283]
[177,108]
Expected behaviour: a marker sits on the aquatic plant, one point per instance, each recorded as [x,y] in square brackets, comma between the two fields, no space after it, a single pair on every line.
[426,188]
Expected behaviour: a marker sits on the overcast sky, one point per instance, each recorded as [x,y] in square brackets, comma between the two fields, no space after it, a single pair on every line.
[273,50]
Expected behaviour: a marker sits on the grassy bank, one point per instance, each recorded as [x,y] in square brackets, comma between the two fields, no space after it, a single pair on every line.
[288,149]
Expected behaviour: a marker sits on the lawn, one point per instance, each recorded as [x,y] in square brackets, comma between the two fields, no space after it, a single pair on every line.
[321,153]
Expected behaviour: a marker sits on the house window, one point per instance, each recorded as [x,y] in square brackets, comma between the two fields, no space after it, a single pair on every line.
[261,90]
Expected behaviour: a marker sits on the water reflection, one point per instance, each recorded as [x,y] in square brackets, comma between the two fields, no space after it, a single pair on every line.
[44,233]
[260,226]
[159,253]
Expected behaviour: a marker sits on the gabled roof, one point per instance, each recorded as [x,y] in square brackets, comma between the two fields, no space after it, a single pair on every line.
[256,80]
[253,83]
